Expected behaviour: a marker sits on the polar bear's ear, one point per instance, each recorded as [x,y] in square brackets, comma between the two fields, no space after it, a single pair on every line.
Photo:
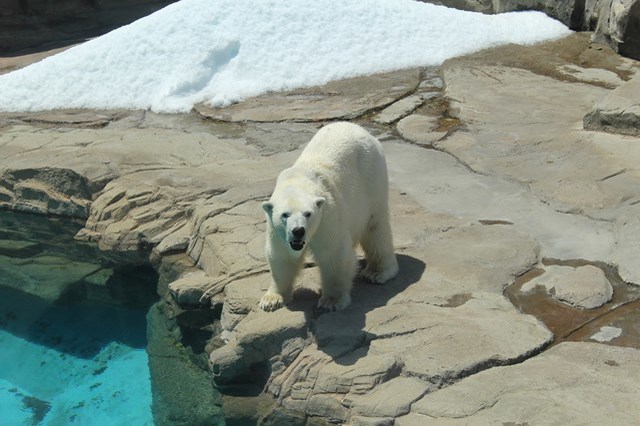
[320,201]
[267,206]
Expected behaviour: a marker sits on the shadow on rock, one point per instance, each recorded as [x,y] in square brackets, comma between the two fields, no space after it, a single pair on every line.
[343,335]
[265,343]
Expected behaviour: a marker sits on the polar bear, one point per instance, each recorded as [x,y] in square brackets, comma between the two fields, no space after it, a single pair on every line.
[334,197]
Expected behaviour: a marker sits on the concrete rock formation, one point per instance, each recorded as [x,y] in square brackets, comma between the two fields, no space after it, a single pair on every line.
[496,187]
[619,26]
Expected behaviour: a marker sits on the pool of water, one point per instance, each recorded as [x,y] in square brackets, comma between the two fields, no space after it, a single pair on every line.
[72,328]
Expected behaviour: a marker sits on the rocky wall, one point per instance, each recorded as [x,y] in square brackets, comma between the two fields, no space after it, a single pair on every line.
[26,24]
[615,22]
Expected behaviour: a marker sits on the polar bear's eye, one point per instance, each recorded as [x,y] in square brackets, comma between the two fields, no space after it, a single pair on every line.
[307,214]
[285,215]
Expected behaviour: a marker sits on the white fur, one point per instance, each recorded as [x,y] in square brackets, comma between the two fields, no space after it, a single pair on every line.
[337,191]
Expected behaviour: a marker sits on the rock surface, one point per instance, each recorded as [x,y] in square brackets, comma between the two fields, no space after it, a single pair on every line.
[493,179]
[584,287]
[335,100]
[564,385]
[618,25]
[618,112]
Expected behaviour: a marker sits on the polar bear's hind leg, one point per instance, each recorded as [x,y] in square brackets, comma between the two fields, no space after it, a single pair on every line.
[377,243]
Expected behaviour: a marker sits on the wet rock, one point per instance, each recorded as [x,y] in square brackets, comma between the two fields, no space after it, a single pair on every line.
[281,417]
[571,323]
[49,277]
[13,248]
[536,390]
[254,410]
[96,286]
[619,327]
[584,286]
[182,392]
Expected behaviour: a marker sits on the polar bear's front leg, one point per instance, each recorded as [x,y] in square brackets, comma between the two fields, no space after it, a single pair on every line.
[337,269]
[283,273]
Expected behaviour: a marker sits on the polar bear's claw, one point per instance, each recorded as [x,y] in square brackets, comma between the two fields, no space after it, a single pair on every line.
[372,275]
[271,301]
[376,276]
[323,309]
[332,303]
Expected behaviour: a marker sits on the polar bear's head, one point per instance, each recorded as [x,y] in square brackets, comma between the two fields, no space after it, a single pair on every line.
[295,217]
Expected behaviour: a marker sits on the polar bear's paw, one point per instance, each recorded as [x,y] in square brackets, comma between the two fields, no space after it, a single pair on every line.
[271,302]
[333,303]
[379,276]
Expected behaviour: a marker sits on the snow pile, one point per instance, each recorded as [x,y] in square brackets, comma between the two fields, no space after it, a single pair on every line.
[221,51]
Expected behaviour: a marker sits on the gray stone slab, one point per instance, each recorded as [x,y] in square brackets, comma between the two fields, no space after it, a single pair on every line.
[584,286]
[618,112]
[338,100]
[571,383]
[397,110]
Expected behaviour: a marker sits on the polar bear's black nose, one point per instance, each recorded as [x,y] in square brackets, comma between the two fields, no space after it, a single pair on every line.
[298,232]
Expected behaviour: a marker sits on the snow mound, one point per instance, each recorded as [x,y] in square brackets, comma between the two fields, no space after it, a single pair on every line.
[221,51]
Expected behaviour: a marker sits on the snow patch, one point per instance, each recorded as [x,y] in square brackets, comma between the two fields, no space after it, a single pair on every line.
[222,51]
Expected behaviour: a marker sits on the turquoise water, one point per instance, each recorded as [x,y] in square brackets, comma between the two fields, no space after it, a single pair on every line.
[72,328]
